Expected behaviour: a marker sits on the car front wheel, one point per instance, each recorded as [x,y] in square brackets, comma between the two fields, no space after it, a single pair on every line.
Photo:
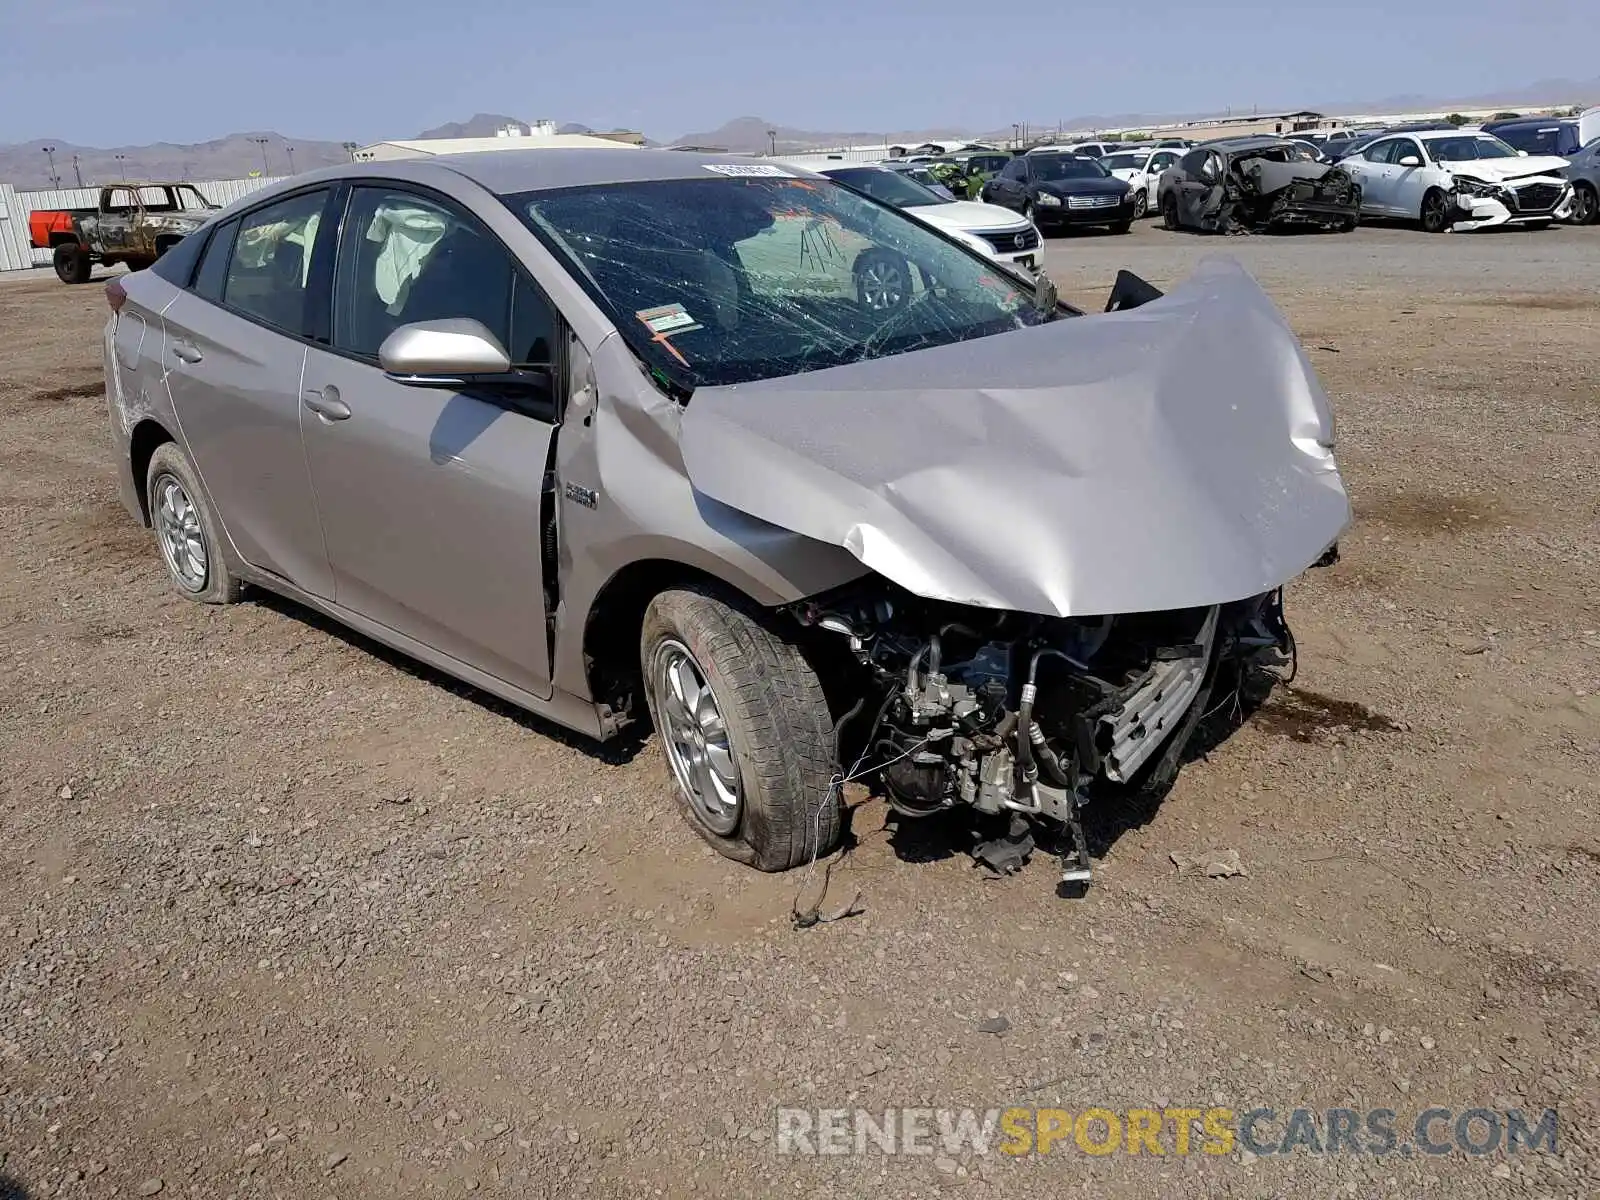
[1435,211]
[745,728]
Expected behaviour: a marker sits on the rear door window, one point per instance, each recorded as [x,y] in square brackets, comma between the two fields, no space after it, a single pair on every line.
[271,261]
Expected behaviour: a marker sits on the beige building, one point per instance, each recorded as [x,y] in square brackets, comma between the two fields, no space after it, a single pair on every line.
[1281,124]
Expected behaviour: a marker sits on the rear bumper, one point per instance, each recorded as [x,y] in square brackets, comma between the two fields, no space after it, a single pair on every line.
[121,433]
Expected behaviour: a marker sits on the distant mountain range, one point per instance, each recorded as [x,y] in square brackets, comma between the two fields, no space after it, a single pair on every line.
[233,157]
[28,166]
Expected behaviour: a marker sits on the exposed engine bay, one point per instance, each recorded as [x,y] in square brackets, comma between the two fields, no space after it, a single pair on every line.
[1025,719]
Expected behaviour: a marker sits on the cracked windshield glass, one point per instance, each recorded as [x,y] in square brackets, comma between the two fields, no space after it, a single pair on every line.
[728,280]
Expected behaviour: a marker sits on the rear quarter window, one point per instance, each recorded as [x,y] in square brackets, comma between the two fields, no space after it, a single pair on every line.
[213,272]
[177,265]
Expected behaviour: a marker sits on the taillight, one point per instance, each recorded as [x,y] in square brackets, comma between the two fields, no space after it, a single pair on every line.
[115,294]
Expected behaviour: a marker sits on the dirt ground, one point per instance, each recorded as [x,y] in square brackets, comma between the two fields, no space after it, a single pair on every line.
[285,915]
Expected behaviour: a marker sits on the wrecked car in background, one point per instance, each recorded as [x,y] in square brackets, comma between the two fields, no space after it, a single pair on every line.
[1448,180]
[982,550]
[1257,183]
[134,223]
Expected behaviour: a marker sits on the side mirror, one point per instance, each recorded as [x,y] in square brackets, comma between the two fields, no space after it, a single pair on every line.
[442,353]
[1130,291]
[1411,160]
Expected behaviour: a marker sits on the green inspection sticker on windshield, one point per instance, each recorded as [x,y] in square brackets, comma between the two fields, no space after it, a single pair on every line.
[668,318]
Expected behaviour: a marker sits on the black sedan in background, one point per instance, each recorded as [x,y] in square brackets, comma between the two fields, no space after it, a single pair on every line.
[1058,190]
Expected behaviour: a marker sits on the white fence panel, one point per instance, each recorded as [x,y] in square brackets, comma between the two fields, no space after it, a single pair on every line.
[14,252]
[221,192]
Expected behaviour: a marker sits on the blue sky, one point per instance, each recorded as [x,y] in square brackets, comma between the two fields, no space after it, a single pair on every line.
[189,70]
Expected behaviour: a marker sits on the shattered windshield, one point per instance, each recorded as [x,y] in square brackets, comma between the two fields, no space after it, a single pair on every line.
[889,186]
[1465,149]
[738,278]
[1050,167]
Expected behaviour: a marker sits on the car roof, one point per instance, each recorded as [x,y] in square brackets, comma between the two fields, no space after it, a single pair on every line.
[508,172]
[1510,121]
[1429,135]
[1254,142]
[505,172]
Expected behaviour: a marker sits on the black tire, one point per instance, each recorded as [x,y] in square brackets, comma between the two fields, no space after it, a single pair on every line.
[777,727]
[1121,227]
[72,263]
[217,583]
[1347,225]
[1141,204]
[1435,211]
[883,281]
[1585,203]
[1538,225]
[1169,212]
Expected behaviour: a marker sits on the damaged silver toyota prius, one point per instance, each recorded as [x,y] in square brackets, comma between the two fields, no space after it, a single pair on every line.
[628,436]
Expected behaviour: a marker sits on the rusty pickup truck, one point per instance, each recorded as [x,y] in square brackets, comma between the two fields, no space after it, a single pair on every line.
[134,223]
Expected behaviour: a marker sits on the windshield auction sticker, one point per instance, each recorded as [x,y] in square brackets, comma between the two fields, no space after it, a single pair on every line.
[766,170]
[669,318]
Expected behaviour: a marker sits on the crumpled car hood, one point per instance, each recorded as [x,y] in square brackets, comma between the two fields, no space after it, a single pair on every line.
[1500,170]
[1169,456]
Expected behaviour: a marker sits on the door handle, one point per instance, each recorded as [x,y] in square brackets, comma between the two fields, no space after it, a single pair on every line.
[186,352]
[326,403]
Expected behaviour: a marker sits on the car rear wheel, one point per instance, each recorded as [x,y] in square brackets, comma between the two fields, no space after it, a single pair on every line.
[186,529]
[1169,212]
[1435,211]
[1141,204]
[883,281]
[72,263]
[745,728]
[1585,204]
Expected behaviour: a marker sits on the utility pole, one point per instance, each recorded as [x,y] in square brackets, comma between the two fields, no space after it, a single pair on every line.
[289,150]
[122,166]
[350,148]
[262,142]
[772,141]
[76,170]
[50,153]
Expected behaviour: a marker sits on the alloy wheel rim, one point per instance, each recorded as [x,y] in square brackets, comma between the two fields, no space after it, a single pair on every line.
[696,738]
[183,540]
[1433,213]
[882,286]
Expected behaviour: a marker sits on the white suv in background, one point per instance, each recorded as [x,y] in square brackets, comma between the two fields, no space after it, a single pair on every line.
[995,232]
[1140,169]
[1447,179]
